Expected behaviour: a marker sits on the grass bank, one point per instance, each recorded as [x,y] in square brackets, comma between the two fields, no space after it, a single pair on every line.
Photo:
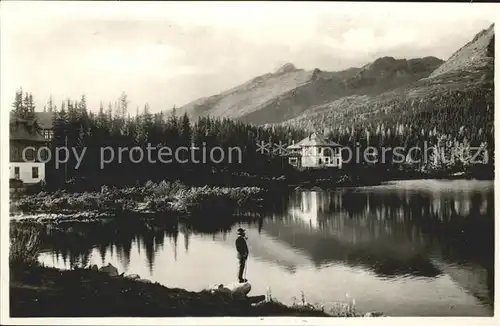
[37,291]
[164,197]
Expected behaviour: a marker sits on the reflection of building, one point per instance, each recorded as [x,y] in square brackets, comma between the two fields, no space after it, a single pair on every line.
[318,224]
[23,135]
[315,152]
[308,207]
[390,232]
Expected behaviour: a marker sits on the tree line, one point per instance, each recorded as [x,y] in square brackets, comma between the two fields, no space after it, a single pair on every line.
[458,122]
[75,126]
[457,125]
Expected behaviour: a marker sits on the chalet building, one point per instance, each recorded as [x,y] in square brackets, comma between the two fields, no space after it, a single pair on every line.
[45,123]
[315,152]
[23,134]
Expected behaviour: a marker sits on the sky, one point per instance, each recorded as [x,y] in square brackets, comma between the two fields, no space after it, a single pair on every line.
[169,54]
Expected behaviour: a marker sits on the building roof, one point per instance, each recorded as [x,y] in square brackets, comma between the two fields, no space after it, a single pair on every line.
[294,146]
[21,129]
[44,119]
[314,140]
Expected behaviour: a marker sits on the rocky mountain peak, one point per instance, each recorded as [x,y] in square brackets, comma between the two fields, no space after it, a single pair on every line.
[287,67]
[475,54]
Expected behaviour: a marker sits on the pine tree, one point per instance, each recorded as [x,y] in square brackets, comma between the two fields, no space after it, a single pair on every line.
[18,104]
[147,123]
[82,106]
[123,105]
[71,111]
[60,123]
[50,105]
[55,115]
[63,115]
[101,118]
[123,111]
[185,132]
[28,107]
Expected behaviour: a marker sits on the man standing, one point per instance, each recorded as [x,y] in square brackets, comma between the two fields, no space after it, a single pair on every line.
[242,248]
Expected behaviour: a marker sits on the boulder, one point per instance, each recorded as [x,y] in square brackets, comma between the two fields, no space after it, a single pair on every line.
[220,289]
[132,276]
[233,288]
[109,269]
[374,314]
[143,280]
[94,268]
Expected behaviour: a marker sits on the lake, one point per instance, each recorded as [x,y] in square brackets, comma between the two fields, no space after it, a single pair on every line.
[406,248]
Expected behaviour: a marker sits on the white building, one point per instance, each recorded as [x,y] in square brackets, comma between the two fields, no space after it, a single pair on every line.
[25,134]
[315,152]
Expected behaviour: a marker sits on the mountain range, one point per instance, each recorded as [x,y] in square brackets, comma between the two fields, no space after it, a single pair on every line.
[293,96]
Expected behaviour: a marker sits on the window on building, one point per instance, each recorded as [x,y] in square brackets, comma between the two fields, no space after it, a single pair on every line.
[30,154]
[43,153]
[16,172]
[48,133]
[34,172]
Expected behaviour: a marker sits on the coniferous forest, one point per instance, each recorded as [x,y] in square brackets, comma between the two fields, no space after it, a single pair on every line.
[457,125]
[77,126]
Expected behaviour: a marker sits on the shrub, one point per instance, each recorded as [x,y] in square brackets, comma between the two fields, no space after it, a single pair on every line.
[25,245]
[162,197]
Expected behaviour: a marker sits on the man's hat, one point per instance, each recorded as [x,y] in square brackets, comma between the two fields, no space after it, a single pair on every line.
[241,231]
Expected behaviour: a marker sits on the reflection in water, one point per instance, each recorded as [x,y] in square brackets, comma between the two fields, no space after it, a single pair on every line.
[401,249]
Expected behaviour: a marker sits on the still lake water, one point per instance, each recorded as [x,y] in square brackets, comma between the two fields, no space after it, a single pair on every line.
[406,248]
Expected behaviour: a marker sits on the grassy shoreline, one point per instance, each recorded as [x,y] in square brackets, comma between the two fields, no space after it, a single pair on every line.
[174,200]
[37,291]
[40,291]
[169,199]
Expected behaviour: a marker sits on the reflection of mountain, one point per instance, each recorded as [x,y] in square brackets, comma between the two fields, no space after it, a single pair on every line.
[401,232]
[268,248]
[383,255]
[439,187]
[475,279]
[389,233]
